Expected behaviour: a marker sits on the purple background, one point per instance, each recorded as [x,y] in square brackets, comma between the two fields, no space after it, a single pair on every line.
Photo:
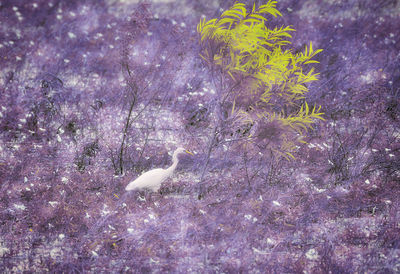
[71,70]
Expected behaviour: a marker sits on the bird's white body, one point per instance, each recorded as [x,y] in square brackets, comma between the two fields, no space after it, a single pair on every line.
[153,179]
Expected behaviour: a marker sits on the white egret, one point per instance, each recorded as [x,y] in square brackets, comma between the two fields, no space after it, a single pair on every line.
[152,179]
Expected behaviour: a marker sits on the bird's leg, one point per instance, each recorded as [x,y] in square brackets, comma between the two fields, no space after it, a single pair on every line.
[149,196]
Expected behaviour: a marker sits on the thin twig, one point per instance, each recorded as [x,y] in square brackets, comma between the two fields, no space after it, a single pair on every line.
[121,151]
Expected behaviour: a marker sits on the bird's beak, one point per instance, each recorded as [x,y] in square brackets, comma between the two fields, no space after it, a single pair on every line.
[188,152]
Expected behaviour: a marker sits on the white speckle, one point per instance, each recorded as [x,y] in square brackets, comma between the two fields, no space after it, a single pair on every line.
[145,63]
[149,33]
[320,190]
[73,14]
[61,236]
[145,221]
[342,189]
[111,46]
[202,211]
[276,203]
[163,57]
[183,25]
[173,22]
[388,202]
[59,139]
[391,155]
[311,145]
[350,158]
[18,33]
[367,78]
[255,219]
[31,43]
[130,230]
[15,8]
[53,203]
[94,253]
[374,150]
[312,254]
[105,211]
[3,250]
[25,179]
[64,180]
[34,5]
[387,149]
[248,216]
[19,206]
[153,261]
[156,16]
[262,252]
[111,227]
[66,61]
[98,35]
[270,241]
[59,16]
[87,216]
[367,182]
[151,216]
[158,65]
[71,35]
[55,252]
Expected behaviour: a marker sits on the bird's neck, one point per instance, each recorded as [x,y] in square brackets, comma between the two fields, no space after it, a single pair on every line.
[174,164]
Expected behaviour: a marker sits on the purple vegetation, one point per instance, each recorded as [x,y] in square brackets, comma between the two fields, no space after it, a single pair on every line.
[93,93]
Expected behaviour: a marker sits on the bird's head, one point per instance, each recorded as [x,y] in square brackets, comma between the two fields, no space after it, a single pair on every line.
[181,150]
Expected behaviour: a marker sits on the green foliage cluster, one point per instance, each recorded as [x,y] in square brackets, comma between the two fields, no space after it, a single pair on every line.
[268,81]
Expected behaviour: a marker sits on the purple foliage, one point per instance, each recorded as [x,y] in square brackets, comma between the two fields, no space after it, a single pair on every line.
[93,93]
